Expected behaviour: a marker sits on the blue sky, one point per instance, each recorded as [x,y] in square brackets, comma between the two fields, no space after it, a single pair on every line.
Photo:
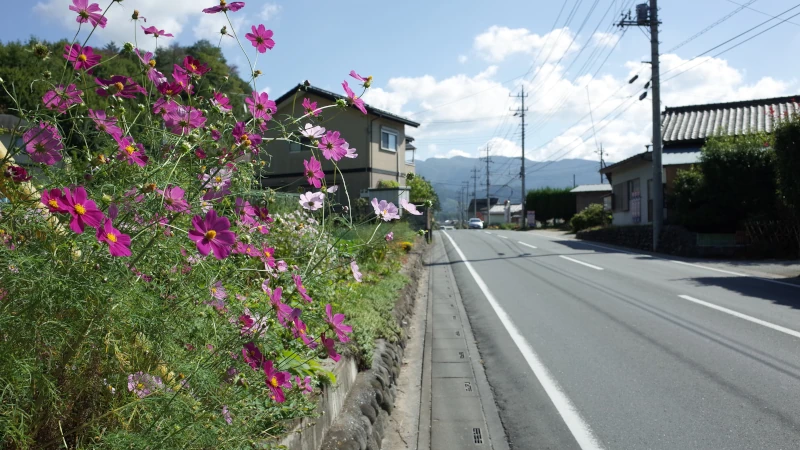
[452,64]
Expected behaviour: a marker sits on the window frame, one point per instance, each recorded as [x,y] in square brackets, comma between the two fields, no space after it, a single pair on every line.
[295,147]
[396,134]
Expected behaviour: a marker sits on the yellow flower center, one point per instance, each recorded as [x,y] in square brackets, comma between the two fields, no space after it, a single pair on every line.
[119,86]
[129,149]
[273,382]
[218,179]
[267,253]
[211,234]
[244,137]
[82,57]
[385,212]
[111,237]
[152,63]
[193,66]
[80,209]
[213,290]
[53,203]
[222,3]
[139,386]
[247,142]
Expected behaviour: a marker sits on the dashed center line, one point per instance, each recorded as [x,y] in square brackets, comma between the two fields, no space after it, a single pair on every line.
[527,245]
[500,236]
[487,232]
[581,262]
[742,316]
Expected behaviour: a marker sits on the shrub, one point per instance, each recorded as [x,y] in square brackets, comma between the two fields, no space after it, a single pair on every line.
[592,216]
[406,246]
[551,203]
[388,184]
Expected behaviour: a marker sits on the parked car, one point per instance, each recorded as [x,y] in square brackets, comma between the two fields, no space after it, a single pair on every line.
[475,223]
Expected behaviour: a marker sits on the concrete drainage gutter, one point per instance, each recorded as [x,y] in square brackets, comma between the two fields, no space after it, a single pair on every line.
[355,413]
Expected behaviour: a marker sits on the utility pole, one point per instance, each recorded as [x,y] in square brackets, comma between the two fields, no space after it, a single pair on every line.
[521,113]
[648,16]
[488,200]
[465,195]
[602,163]
[474,192]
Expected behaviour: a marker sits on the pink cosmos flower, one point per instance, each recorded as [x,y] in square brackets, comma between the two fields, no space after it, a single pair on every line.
[150,66]
[131,151]
[252,355]
[304,385]
[268,256]
[276,381]
[300,330]
[84,211]
[261,38]
[118,86]
[226,415]
[173,199]
[218,291]
[60,98]
[224,7]
[143,384]
[156,32]
[410,207]
[242,137]
[184,119]
[311,201]
[81,57]
[194,66]
[330,346]
[355,101]
[332,189]
[221,102]
[43,144]
[263,214]
[389,236]
[104,123]
[385,210]
[220,178]
[310,107]
[351,152]
[17,174]
[282,310]
[212,233]
[314,173]
[169,89]
[282,266]
[331,146]
[313,132]
[246,323]
[181,76]
[298,283]
[365,81]
[118,243]
[261,107]
[88,13]
[336,322]
[356,272]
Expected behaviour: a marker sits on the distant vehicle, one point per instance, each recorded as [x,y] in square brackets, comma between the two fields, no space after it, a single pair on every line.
[475,223]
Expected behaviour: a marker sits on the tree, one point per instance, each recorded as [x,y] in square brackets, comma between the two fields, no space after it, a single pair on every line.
[787,157]
[551,203]
[422,191]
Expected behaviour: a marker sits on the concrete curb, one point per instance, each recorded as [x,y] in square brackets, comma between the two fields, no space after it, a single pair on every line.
[365,415]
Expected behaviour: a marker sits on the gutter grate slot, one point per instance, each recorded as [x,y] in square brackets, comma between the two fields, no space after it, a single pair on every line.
[476,436]
[468,386]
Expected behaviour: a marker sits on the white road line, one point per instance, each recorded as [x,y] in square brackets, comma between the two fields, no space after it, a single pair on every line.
[580,429]
[581,262]
[743,316]
[487,232]
[527,245]
[501,236]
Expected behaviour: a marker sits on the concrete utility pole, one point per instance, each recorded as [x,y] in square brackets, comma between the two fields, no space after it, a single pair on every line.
[521,113]
[474,192]
[601,163]
[648,16]
[488,200]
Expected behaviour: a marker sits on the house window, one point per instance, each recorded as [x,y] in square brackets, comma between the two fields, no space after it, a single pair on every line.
[295,147]
[410,155]
[650,200]
[388,139]
[621,197]
[635,200]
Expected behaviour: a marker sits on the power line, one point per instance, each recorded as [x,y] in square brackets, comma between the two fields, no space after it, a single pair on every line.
[762,12]
[710,27]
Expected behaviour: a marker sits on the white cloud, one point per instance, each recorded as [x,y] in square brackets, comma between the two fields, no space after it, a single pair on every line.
[269,11]
[456,152]
[602,39]
[503,147]
[497,43]
[462,59]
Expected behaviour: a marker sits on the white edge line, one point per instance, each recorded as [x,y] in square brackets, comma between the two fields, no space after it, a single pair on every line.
[577,426]
[500,236]
[581,262]
[743,316]
[527,245]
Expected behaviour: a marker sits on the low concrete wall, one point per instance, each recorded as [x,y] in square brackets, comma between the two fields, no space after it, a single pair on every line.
[674,240]
[354,413]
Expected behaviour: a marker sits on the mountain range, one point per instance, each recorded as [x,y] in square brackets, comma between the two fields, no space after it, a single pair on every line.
[448,174]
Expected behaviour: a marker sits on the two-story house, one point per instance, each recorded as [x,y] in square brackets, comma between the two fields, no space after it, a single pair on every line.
[384,150]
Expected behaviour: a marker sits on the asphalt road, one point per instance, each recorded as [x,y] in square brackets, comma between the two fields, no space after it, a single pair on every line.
[590,347]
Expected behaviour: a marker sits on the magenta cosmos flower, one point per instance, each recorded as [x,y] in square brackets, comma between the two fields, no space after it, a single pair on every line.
[194,66]
[330,346]
[261,107]
[156,32]
[252,355]
[314,172]
[131,151]
[356,272]
[54,200]
[276,381]
[150,66]
[389,236]
[221,102]
[261,38]
[81,57]
[43,144]
[143,384]
[84,211]
[300,330]
[336,322]
[331,146]
[224,7]
[212,233]
[118,243]
[118,86]
[351,96]
[61,98]
[310,107]
[244,138]
[183,119]
[365,81]
[385,210]
[410,207]
[298,283]
[17,174]
[88,13]
[105,123]
[282,310]
[312,201]
[303,385]
[349,152]
[173,199]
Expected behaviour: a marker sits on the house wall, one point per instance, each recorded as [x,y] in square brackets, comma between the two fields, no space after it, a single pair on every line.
[671,172]
[643,172]
[584,199]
